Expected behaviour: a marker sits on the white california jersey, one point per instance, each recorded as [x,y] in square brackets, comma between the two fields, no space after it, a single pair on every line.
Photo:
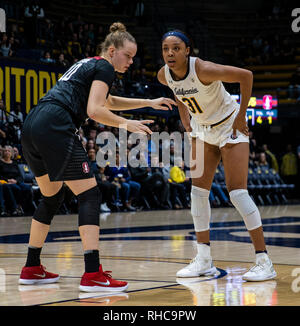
[207,104]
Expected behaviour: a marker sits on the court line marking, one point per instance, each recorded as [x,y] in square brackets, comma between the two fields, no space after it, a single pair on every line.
[138,290]
[221,275]
[170,260]
[154,259]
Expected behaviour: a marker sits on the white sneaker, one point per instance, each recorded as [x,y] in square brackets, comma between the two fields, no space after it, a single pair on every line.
[104,208]
[263,269]
[197,267]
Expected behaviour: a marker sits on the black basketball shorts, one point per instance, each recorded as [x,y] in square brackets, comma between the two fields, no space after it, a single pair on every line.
[51,145]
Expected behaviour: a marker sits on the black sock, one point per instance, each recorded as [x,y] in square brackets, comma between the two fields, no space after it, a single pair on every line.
[91,261]
[261,251]
[33,257]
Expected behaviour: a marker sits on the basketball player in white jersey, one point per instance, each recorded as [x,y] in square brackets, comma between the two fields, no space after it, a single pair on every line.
[210,114]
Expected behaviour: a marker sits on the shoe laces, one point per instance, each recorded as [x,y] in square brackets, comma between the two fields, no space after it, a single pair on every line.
[257,267]
[107,274]
[197,261]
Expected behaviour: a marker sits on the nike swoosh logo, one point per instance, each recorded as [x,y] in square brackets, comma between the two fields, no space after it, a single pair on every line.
[102,283]
[40,275]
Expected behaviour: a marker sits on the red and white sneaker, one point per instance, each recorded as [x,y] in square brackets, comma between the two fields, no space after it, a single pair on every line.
[101,281]
[37,275]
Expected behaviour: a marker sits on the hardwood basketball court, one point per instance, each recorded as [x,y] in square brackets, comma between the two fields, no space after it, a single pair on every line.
[146,249]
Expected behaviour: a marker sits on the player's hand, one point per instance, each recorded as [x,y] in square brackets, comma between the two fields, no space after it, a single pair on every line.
[240,124]
[162,103]
[139,126]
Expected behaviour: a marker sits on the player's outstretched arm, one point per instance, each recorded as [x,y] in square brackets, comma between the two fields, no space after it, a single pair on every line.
[97,110]
[117,103]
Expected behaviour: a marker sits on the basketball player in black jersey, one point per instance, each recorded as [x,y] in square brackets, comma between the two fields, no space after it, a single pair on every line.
[54,153]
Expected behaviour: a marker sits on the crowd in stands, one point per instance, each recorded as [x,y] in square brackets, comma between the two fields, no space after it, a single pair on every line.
[270,41]
[69,40]
[66,41]
[168,186]
[267,50]
[125,188]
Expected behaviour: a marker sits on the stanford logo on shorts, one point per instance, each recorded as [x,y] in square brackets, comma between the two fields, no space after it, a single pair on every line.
[85,167]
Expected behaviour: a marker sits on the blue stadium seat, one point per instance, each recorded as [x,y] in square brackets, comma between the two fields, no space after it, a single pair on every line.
[255,187]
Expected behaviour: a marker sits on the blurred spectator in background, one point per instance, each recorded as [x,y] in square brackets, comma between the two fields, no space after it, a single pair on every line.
[47,33]
[179,185]
[3,128]
[153,185]
[5,46]
[217,191]
[17,157]
[13,43]
[130,190]
[139,12]
[33,13]
[78,22]
[47,58]
[288,167]
[287,51]
[9,171]
[252,149]
[15,120]
[91,32]
[108,190]
[61,61]
[294,87]
[74,47]
[266,51]
[262,160]
[271,158]
[3,211]
[100,34]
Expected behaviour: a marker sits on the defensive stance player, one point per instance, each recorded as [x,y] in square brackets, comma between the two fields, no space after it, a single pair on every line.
[218,121]
[55,154]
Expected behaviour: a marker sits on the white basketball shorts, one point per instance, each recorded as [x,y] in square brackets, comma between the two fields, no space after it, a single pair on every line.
[220,133]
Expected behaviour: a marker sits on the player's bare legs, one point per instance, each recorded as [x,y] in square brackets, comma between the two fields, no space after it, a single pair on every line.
[235,159]
[38,233]
[33,272]
[52,197]
[202,264]
[211,160]
[89,199]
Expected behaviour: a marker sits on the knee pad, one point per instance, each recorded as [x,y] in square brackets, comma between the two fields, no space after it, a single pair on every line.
[89,207]
[246,207]
[200,208]
[48,207]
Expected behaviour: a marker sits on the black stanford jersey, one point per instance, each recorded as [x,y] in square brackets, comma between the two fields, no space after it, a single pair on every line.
[72,89]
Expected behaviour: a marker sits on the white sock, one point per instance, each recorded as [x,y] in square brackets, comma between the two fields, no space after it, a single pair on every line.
[261,257]
[203,250]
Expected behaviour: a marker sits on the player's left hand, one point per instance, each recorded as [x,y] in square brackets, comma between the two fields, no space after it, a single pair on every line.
[162,103]
[240,124]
